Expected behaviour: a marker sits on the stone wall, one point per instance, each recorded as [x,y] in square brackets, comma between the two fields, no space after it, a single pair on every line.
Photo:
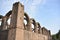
[20,30]
[3,35]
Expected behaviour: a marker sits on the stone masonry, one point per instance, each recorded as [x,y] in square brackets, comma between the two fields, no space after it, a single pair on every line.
[18,29]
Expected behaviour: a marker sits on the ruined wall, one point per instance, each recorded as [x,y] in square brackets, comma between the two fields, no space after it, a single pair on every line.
[3,35]
[18,29]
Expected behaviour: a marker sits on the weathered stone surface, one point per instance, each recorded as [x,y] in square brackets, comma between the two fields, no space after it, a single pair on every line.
[18,30]
[4,34]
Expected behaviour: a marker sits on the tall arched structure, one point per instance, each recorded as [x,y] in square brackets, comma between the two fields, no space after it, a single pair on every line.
[34,23]
[5,19]
[8,16]
[39,27]
[28,25]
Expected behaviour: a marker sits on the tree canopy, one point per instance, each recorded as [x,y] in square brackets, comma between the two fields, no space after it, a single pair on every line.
[56,36]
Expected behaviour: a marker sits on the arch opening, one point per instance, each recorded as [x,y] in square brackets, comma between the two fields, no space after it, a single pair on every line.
[0,22]
[26,21]
[38,27]
[8,22]
[33,24]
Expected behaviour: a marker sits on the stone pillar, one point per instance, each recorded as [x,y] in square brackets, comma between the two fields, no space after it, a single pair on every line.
[39,28]
[36,28]
[30,28]
[49,35]
[4,23]
[17,16]
[41,32]
[16,31]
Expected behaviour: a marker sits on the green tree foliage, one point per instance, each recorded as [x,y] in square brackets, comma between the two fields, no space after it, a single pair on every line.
[56,36]
[1,16]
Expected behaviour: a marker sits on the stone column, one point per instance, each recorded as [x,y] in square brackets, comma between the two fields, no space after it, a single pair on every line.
[4,23]
[30,28]
[16,31]
[17,15]
[36,29]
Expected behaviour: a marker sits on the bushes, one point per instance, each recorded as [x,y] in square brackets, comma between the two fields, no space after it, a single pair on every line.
[56,36]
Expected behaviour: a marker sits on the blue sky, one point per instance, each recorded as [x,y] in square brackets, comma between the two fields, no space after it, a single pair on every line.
[46,12]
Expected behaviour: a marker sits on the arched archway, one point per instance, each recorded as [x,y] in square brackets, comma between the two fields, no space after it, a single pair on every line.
[26,22]
[8,19]
[33,25]
[39,27]
[5,21]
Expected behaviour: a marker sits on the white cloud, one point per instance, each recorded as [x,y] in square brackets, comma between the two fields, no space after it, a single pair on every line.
[26,1]
[32,9]
[16,0]
[36,2]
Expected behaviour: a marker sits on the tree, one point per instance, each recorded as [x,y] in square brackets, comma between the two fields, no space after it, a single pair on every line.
[56,36]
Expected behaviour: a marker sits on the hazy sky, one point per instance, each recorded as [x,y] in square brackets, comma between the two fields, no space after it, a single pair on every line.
[46,12]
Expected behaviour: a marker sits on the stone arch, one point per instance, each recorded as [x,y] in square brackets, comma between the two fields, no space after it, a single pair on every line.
[34,23]
[8,18]
[5,19]
[1,21]
[39,27]
[44,31]
[26,17]
[9,13]
[27,26]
